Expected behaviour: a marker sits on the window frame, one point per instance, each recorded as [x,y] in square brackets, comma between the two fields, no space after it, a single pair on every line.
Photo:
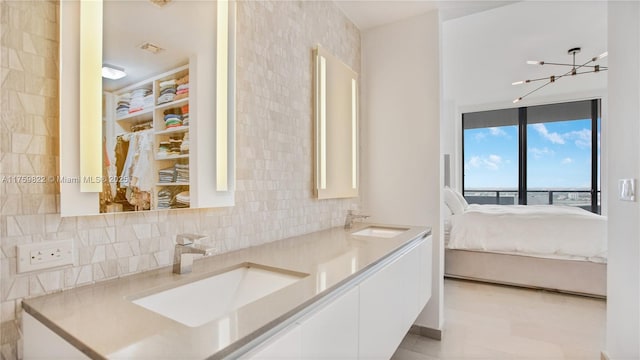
[595,114]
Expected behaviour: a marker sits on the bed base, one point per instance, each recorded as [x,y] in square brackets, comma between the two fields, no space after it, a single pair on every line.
[570,276]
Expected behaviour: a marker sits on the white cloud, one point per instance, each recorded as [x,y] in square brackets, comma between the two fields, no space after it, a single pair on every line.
[553,137]
[491,162]
[540,153]
[582,138]
[566,161]
[495,159]
[497,132]
[475,162]
[493,131]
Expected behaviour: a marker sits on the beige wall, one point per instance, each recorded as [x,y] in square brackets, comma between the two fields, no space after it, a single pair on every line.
[401,132]
[623,130]
[274,152]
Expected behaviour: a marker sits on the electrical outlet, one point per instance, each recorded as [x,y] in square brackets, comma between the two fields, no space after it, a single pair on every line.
[44,255]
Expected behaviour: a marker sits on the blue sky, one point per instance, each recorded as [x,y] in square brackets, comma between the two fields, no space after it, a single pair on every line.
[559,156]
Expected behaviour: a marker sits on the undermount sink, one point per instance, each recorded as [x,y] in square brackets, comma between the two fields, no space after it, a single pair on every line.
[380,231]
[202,301]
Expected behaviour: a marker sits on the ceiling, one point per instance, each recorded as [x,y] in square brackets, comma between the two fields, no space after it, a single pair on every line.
[128,24]
[367,14]
[483,54]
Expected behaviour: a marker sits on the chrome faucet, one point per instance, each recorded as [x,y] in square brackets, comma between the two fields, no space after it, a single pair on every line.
[185,250]
[351,216]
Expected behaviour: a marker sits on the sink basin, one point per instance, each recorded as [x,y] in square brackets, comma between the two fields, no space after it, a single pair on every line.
[201,301]
[380,231]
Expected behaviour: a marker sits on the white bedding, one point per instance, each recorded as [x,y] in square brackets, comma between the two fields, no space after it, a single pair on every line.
[536,230]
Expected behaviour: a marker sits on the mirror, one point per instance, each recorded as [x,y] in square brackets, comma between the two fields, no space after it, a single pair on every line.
[336,127]
[162,135]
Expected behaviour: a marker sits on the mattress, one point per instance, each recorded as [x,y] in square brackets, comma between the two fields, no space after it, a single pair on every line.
[548,231]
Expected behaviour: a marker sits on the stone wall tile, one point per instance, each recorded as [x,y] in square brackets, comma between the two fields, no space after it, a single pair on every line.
[274,151]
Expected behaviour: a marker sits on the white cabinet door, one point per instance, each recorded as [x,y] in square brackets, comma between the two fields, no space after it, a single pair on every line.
[382,312]
[332,332]
[418,279]
[413,280]
[390,301]
[425,267]
[40,342]
[284,345]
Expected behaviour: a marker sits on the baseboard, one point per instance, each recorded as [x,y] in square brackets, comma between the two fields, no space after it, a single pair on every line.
[435,334]
[603,355]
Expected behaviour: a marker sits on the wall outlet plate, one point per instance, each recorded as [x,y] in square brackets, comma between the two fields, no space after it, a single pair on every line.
[44,255]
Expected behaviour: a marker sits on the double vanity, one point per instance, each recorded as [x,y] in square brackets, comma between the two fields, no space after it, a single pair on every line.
[333,293]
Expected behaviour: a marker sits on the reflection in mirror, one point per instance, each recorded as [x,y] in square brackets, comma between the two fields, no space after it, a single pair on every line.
[336,127]
[146,117]
[162,89]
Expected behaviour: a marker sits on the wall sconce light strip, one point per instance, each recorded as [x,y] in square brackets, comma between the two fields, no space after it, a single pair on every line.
[91,96]
[222,95]
[323,122]
[354,134]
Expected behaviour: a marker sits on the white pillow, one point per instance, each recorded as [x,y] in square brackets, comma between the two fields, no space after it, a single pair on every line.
[463,201]
[453,201]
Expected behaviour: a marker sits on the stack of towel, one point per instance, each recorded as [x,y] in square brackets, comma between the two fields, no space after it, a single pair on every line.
[182,200]
[172,120]
[139,98]
[174,145]
[182,172]
[185,115]
[167,197]
[168,91]
[164,198]
[167,175]
[123,104]
[163,149]
[184,147]
[142,126]
[182,91]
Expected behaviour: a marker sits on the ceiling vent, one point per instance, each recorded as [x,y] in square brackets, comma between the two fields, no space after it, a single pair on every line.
[152,48]
[160,3]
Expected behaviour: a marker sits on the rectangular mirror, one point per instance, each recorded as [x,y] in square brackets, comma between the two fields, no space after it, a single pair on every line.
[336,127]
[148,123]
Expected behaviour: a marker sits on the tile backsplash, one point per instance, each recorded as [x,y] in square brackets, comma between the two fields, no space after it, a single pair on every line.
[274,196]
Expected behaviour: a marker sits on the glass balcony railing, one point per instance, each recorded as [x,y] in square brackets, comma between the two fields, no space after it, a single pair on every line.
[573,197]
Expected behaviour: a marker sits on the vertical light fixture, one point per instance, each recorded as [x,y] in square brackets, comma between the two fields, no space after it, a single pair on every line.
[354,134]
[222,95]
[90,96]
[323,122]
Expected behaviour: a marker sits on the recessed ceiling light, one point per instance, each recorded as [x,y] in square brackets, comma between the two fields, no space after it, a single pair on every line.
[112,72]
[152,48]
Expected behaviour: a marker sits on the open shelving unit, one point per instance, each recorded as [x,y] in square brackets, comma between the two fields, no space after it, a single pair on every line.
[155,113]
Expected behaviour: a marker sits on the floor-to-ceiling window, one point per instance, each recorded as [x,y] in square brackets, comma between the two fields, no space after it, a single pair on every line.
[491,144]
[547,154]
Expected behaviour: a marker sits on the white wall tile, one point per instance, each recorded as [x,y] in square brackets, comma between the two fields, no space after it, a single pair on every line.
[274,151]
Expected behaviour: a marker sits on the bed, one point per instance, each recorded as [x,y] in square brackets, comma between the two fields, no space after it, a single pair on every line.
[559,248]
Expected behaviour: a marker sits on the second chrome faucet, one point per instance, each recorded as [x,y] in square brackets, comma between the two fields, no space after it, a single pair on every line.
[351,217]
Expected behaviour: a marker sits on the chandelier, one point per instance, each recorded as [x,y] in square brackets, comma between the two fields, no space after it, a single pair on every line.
[590,67]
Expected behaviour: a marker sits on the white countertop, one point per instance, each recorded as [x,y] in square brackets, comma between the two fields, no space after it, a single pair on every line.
[101,320]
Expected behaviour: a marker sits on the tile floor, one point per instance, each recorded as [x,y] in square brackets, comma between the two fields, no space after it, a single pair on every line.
[484,321]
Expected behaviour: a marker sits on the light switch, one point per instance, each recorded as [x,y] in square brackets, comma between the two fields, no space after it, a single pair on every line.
[627,189]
